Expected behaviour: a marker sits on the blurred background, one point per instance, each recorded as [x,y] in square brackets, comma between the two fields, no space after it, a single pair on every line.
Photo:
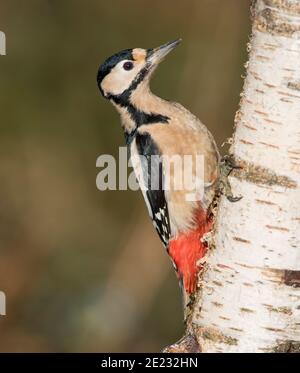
[83,270]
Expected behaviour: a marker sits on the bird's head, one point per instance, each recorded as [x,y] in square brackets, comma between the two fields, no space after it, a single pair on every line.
[123,72]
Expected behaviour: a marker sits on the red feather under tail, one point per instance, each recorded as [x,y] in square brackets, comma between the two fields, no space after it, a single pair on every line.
[187,249]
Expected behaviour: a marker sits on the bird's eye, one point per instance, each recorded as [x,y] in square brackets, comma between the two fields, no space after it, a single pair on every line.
[128,65]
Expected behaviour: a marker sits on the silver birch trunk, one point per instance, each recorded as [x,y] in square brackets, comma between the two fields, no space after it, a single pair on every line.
[249,297]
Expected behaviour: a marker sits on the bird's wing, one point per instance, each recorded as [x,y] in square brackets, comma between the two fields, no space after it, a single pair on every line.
[148,167]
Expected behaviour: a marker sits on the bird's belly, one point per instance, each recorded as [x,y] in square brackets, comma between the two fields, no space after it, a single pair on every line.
[182,213]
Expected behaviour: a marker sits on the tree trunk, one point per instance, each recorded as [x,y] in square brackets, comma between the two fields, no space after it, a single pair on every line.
[249,297]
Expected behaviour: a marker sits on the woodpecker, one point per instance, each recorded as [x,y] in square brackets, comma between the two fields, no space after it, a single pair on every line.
[157,127]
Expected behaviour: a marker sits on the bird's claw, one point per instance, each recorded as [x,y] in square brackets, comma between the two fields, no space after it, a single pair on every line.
[227,165]
[228,162]
[234,199]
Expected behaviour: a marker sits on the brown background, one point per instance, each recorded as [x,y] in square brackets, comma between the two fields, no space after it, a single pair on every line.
[83,270]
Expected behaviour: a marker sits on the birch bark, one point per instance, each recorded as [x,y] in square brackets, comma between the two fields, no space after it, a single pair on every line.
[249,297]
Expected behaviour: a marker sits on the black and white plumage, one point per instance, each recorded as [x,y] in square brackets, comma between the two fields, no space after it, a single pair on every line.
[149,160]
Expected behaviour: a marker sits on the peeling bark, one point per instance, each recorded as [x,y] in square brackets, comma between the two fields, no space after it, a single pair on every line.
[249,290]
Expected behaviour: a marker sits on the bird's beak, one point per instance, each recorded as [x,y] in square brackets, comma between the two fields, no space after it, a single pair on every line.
[156,55]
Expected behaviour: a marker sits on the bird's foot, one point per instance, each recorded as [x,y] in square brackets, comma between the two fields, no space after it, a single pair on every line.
[227,165]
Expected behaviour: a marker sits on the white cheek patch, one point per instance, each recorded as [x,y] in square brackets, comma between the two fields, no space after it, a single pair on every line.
[118,80]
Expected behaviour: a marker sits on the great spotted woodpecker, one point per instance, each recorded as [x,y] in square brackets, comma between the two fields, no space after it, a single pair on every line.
[156,127]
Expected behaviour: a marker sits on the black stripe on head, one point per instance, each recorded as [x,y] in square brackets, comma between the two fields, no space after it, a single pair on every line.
[111,62]
[138,116]
[123,99]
